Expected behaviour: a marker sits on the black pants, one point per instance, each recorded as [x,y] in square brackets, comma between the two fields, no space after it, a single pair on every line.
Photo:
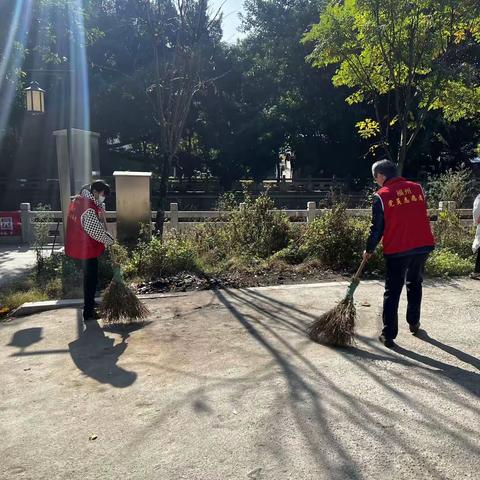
[90,278]
[410,268]
[477,263]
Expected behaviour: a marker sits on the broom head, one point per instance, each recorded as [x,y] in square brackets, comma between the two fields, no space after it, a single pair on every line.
[121,305]
[337,326]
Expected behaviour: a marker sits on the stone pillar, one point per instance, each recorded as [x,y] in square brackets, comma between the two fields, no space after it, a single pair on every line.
[77,157]
[84,148]
[442,206]
[26,223]
[174,216]
[133,204]
[62,138]
[311,211]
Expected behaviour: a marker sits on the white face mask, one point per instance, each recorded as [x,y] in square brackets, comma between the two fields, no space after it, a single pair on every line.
[101,199]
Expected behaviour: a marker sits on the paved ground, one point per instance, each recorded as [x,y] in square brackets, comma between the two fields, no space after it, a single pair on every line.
[16,261]
[224,385]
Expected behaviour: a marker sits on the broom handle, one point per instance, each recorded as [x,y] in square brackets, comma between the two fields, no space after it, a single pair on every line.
[356,277]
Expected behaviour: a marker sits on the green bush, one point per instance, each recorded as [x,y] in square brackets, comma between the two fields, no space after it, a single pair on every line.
[229,201]
[158,258]
[454,186]
[241,264]
[336,239]
[256,230]
[211,242]
[445,263]
[451,234]
[60,276]
[292,254]
[117,254]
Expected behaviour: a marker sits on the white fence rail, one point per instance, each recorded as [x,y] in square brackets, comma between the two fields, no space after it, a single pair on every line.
[182,220]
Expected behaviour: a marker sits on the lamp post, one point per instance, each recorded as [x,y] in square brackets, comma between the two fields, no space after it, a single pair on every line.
[75,147]
[35,105]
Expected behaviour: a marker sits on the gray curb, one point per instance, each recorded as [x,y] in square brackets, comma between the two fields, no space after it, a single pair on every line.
[30,308]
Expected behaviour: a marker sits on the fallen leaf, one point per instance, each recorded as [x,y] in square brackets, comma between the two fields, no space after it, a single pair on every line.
[92,437]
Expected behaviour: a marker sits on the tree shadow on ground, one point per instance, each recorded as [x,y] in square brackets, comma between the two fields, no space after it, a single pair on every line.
[280,312]
[96,356]
[465,378]
[321,404]
[462,356]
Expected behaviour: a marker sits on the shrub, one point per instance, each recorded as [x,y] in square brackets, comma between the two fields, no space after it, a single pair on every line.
[277,265]
[256,230]
[41,228]
[292,254]
[54,288]
[211,242]
[158,258]
[445,263]
[336,239]
[242,264]
[117,254]
[451,234]
[453,186]
[229,201]
[72,277]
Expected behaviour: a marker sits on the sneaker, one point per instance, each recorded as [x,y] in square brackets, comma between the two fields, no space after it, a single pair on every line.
[388,342]
[414,328]
[475,276]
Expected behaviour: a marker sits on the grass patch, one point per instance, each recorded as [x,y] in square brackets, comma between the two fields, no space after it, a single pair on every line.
[13,299]
[446,263]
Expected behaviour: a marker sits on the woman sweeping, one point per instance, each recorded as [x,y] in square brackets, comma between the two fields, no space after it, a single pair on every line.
[87,238]
[476,243]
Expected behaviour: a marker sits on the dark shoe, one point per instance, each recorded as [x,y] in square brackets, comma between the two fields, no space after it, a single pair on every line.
[414,328]
[94,316]
[388,342]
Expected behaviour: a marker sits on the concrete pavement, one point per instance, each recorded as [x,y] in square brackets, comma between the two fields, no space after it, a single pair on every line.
[17,260]
[224,385]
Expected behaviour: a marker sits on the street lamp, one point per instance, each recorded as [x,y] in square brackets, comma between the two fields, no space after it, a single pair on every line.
[35,99]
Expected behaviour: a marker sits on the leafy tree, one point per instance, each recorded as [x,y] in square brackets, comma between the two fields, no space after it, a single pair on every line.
[272,98]
[182,36]
[405,58]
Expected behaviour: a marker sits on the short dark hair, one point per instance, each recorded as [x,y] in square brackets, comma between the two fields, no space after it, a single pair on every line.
[100,186]
[385,167]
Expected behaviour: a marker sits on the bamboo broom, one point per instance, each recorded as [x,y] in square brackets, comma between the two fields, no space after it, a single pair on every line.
[337,326]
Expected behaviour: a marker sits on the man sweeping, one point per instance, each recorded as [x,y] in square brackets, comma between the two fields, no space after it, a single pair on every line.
[87,238]
[400,219]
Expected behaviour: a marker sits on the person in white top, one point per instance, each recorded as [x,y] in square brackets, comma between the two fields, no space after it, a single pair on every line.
[476,243]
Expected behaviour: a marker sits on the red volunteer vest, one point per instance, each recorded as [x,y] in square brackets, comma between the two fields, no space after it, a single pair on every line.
[78,244]
[407,225]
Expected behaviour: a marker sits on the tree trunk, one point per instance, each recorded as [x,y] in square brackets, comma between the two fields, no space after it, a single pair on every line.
[162,195]
[402,150]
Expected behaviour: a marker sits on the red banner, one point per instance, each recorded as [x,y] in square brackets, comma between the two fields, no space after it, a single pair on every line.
[10,224]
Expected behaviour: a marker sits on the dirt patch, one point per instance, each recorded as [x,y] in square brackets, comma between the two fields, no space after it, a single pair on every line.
[185,282]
